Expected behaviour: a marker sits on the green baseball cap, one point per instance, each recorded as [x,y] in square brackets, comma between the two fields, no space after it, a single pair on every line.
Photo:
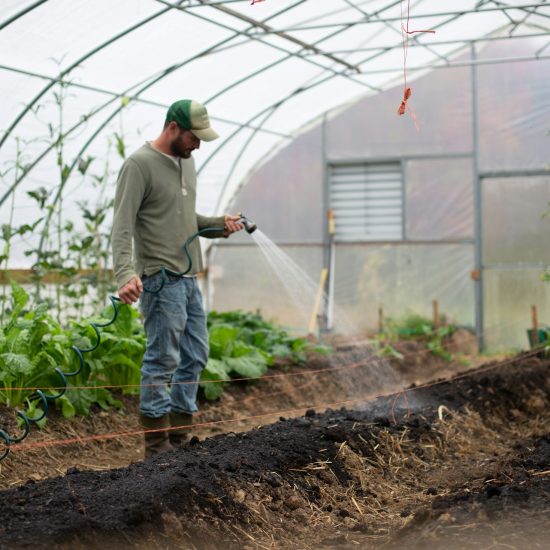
[192,115]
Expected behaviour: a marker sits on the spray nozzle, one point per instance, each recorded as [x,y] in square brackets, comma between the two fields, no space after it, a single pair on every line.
[249,225]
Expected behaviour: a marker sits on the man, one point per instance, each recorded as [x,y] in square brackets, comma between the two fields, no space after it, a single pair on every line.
[155,207]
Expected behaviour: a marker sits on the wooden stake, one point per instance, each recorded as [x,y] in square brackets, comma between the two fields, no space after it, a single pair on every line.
[318,298]
[435,310]
[535,321]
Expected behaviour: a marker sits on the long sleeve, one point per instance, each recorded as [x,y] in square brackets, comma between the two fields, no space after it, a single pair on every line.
[216,221]
[131,188]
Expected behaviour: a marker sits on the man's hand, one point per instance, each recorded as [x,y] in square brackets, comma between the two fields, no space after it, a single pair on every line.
[131,291]
[232,224]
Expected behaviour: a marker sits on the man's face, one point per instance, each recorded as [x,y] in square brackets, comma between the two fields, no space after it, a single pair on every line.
[184,143]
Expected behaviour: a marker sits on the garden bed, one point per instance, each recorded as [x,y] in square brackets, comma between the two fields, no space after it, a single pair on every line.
[348,375]
[461,458]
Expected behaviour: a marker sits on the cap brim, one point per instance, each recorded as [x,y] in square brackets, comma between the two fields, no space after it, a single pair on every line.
[206,134]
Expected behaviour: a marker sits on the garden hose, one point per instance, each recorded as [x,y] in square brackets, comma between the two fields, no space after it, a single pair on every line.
[167,272]
[249,226]
[45,398]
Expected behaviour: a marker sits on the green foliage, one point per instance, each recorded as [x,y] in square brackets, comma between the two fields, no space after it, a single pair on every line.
[32,345]
[40,195]
[384,349]
[244,345]
[253,330]
[414,326]
[120,145]
[215,370]
[34,411]
[115,362]
[84,164]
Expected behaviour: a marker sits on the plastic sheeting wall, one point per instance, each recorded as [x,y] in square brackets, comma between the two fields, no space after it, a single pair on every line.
[515,251]
[404,278]
[288,198]
[286,195]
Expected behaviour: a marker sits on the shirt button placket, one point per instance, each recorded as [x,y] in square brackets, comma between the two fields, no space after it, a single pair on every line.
[183,184]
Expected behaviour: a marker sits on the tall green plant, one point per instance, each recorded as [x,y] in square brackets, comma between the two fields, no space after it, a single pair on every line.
[8,230]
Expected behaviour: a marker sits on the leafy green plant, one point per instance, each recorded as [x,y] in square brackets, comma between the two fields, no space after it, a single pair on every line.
[32,345]
[115,362]
[230,355]
[384,349]
[253,330]
[245,345]
[435,341]
[414,326]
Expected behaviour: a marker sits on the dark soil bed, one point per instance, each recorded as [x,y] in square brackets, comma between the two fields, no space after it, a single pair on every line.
[443,465]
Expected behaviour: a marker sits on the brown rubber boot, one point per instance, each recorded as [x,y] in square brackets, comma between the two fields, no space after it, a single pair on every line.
[156,442]
[179,437]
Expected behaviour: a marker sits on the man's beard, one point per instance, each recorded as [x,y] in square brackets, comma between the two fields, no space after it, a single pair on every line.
[177,151]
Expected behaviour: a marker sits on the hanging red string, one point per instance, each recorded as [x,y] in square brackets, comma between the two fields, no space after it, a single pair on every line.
[256,2]
[407,92]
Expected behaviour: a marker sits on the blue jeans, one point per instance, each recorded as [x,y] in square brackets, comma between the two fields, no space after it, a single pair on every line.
[177,346]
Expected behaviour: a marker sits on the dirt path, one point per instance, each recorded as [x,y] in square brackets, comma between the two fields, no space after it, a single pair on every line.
[464,456]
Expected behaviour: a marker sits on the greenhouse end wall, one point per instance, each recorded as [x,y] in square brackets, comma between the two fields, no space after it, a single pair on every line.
[454,180]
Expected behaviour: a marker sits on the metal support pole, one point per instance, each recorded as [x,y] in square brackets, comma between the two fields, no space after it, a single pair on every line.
[326,195]
[478,208]
[331,269]
[327,238]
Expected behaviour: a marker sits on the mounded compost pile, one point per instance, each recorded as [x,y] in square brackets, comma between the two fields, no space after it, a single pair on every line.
[461,463]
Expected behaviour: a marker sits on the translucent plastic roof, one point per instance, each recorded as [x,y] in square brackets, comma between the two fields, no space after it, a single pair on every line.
[263,68]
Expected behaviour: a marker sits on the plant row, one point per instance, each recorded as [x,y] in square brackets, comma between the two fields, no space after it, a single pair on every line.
[33,344]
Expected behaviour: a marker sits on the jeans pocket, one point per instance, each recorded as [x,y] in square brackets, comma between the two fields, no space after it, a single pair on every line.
[154,284]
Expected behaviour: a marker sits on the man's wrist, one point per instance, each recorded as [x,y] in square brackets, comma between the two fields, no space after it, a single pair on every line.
[123,280]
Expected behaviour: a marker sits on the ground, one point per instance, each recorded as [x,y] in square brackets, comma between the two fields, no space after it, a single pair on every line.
[460,463]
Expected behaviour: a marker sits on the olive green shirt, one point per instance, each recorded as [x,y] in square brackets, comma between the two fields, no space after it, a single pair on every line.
[155,208]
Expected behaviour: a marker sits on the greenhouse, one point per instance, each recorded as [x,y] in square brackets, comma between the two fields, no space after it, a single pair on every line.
[378,309]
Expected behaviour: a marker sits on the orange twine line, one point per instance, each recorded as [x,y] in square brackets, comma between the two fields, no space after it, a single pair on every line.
[397,396]
[112,435]
[365,362]
[193,382]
